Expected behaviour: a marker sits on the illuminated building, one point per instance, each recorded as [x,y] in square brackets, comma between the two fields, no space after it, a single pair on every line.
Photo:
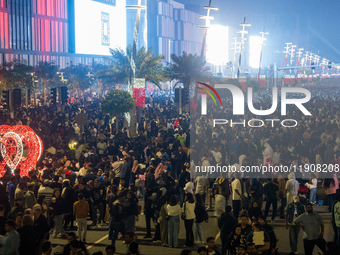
[82,31]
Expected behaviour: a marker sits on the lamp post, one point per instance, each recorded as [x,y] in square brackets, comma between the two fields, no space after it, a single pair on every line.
[311,59]
[299,57]
[236,48]
[262,44]
[292,50]
[316,60]
[170,99]
[242,32]
[306,57]
[138,7]
[324,62]
[287,51]
[34,81]
[206,25]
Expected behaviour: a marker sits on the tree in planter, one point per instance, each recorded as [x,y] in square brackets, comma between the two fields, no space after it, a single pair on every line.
[117,102]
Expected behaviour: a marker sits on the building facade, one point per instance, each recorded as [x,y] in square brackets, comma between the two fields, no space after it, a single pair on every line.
[172,29]
[47,30]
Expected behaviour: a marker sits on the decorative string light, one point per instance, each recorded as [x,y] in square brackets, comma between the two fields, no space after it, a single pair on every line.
[12,140]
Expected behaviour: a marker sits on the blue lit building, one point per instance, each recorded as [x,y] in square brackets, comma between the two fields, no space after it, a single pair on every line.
[172,29]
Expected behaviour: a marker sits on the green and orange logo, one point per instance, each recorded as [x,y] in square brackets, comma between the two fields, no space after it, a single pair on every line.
[204,95]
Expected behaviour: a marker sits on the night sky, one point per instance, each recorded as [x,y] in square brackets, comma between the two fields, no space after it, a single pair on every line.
[310,24]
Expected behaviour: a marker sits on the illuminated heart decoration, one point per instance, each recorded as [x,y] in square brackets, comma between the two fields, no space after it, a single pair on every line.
[12,141]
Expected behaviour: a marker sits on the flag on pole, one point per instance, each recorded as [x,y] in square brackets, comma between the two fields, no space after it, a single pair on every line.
[262,81]
[244,85]
[194,104]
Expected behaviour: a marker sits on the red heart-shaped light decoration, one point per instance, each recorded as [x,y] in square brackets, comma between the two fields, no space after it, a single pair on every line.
[12,140]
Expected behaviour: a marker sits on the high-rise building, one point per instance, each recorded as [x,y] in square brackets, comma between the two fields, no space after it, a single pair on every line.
[82,31]
[172,29]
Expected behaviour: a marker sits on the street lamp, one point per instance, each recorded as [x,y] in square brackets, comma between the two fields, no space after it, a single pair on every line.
[316,60]
[138,7]
[299,56]
[287,51]
[206,25]
[242,32]
[236,48]
[262,44]
[310,58]
[292,50]
[306,57]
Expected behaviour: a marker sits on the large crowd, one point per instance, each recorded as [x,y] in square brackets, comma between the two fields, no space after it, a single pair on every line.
[99,176]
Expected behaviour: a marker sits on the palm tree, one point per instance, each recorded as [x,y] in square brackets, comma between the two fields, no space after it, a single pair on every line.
[186,67]
[148,66]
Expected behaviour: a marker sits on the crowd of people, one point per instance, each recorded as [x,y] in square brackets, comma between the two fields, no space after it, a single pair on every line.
[99,176]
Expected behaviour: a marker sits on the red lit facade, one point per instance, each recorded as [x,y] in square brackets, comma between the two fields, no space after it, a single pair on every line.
[37,30]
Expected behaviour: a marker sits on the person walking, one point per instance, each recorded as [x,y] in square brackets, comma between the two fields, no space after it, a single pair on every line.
[57,208]
[81,209]
[311,222]
[282,195]
[188,210]
[292,188]
[40,226]
[200,217]
[293,211]
[174,210]
[226,224]
[162,220]
[236,187]
[270,190]
[10,244]
[131,211]
[118,218]
[256,191]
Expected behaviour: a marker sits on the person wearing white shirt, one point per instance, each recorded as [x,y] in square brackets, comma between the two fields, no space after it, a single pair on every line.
[173,210]
[78,151]
[217,155]
[292,188]
[189,188]
[276,156]
[101,146]
[202,185]
[221,202]
[236,187]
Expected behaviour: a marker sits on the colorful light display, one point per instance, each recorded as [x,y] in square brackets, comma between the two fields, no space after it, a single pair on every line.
[12,142]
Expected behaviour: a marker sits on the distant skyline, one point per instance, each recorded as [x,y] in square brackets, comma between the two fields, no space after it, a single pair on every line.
[312,25]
